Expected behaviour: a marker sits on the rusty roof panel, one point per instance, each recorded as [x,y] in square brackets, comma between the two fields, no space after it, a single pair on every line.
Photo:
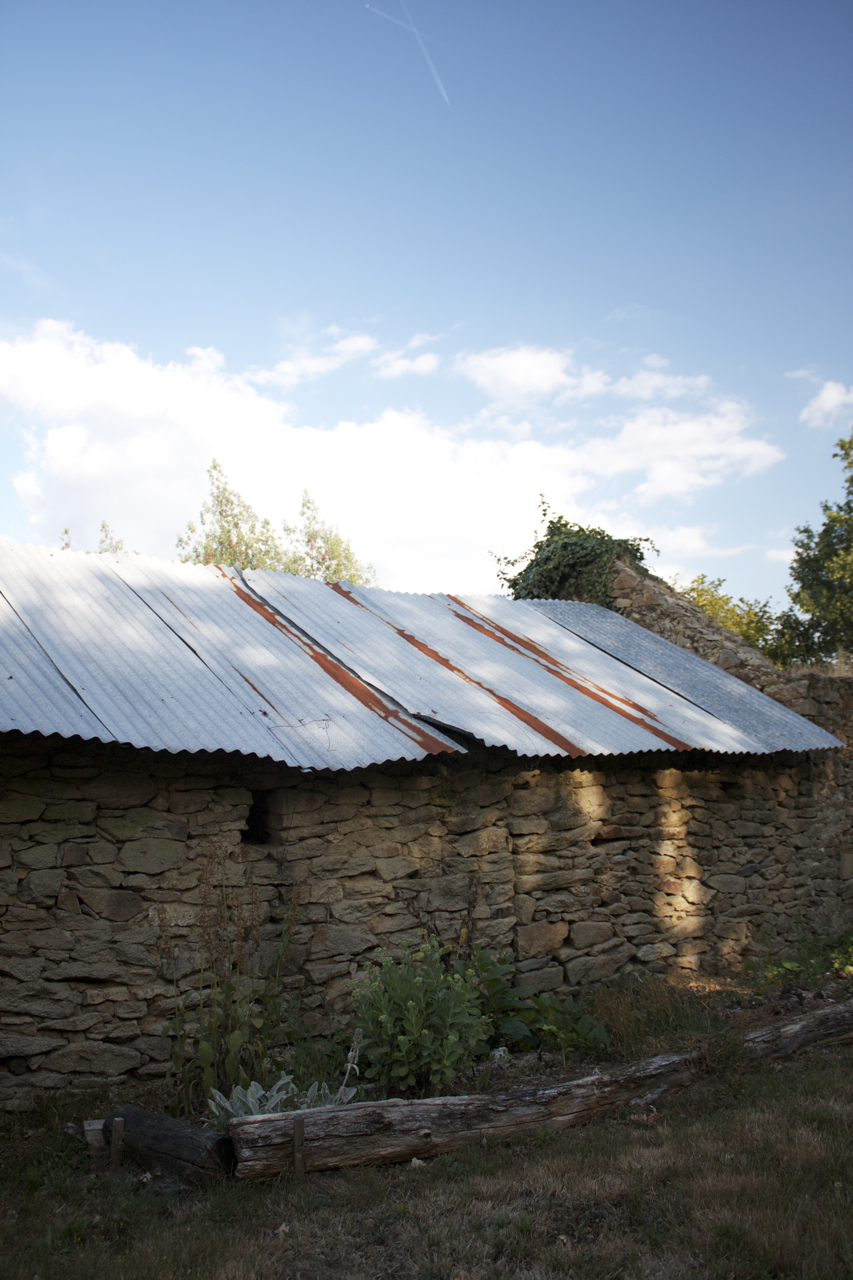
[352,622]
[631,693]
[730,700]
[320,715]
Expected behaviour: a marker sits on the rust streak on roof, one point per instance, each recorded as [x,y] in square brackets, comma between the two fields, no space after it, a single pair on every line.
[556,668]
[363,693]
[526,717]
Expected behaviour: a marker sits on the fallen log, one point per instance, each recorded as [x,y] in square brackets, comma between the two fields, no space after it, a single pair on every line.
[191,1150]
[399,1129]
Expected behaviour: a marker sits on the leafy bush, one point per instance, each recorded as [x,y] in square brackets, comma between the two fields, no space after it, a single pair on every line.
[421,1023]
[521,1018]
[284,1094]
[506,1006]
[227,1032]
[560,1024]
[570,562]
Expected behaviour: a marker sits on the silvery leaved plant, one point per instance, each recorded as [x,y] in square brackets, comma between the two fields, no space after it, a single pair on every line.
[255,1100]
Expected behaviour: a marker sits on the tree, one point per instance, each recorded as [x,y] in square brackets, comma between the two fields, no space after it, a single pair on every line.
[232,533]
[821,620]
[570,562]
[108,544]
[753,620]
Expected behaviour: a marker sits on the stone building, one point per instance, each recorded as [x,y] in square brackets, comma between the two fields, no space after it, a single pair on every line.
[180,743]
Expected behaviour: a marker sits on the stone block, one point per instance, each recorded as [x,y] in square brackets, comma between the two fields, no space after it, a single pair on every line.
[727,884]
[524,907]
[346,860]
[120,790]
[695,892]
[21,808]
[103,877]
[139,823]
[655,951]
[39,857]
[112,904]
[339,940]
[478,843]
[42,886]
[150,857]
[547,979]
[532,803]
[93,1056]
[37,999]
[692,927]
[13,1045]
[458,821]
[182,802]
[23,968]
[396,868]
[588,933]
[549,881]
[449,893]
[540,938]
[845,868]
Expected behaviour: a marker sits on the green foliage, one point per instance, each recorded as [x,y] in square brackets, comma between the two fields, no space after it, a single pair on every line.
[231,533]
[822,578]
[753,620]
[570,562]
[521,1018]
[506,1006]
[421,1023]
[227,1032]
[813,958]
[561,1025]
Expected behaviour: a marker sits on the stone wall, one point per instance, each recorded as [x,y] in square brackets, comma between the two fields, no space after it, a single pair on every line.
[113,863]
[653,604]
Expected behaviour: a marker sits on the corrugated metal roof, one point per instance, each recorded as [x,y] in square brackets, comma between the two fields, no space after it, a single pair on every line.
[773,725]
[180,657]
[169,656]
[314,708]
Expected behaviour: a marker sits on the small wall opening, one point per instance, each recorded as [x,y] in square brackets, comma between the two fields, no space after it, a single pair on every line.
[258,819]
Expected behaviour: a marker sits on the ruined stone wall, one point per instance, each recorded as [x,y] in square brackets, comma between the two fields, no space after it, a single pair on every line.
[653,604]
[113,863]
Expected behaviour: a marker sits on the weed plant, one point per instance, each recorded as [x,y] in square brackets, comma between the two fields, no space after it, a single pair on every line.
[814,958]
[652,1015]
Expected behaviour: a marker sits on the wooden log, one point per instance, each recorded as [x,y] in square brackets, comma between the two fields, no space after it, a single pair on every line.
[191,1150]
[398,1129]
[824,1024]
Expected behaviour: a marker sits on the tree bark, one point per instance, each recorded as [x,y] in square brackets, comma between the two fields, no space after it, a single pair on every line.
[398,1129]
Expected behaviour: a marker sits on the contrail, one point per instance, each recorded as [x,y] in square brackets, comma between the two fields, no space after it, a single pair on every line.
[410,26]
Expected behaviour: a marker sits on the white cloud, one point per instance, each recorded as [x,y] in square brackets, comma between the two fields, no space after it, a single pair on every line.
[824,408]
[679,453]
[393,364]
[114,435]
[649,384]
[304,364]
[521,374]
[784,555]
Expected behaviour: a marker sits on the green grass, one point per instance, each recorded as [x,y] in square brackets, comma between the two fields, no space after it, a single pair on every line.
[742,1177]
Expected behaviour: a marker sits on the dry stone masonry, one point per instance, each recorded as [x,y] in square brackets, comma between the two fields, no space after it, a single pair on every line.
[115,863]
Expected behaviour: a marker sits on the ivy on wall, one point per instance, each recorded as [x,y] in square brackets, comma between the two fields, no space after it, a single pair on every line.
[571,562]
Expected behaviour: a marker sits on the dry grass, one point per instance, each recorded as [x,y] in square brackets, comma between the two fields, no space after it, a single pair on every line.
[742,1177]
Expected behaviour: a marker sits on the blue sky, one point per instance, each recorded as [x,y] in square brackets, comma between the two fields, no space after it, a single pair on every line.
[615,267]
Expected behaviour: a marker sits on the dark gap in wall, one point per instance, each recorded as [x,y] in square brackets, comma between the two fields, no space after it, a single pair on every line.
[257,821]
